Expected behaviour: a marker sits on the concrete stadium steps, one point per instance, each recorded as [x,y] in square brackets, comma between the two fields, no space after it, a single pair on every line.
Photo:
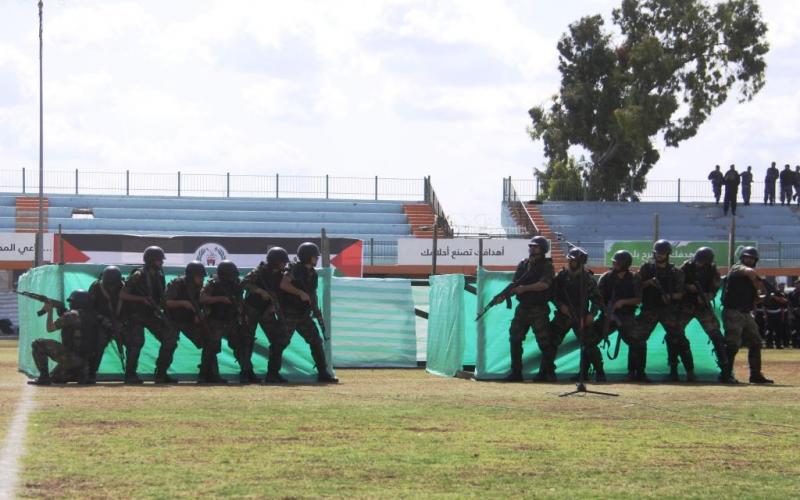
[27,213]
[556,252]
[420,215]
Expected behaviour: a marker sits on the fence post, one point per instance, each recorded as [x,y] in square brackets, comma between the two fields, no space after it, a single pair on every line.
[228,184]
[179,183]
[679,189]
[327,192]
[656,224]
[372,251]
[76,181]
[537,187]
[276,185]
[480,253]
[23,180]
[127,183]
[376,188]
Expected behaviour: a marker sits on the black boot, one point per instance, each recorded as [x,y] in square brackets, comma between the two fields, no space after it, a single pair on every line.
[688,364]
[550,374]
[274,378]
[131,363]
[673,374]
[726,373]
[274,364]
[754,359]
[161,377]
[642,373]
[214,375]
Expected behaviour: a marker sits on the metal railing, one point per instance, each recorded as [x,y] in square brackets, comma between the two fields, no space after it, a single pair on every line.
[431,199]
[676,190]
[516,205]
[129,183]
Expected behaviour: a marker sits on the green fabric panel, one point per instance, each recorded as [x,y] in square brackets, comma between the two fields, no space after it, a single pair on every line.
[375,323]
[297,363]
[446,325]
[493,361]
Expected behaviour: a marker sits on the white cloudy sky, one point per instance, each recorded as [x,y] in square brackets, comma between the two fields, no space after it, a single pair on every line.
[388,88]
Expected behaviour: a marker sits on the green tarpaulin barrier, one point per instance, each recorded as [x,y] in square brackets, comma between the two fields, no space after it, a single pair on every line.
[493,362]
[58,281]
[446,332]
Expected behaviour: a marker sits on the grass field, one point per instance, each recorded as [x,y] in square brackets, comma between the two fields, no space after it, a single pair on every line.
[404,433]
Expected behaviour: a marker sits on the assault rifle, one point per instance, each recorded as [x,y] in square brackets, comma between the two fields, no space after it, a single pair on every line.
[317,313]
[58,305]
[504,295]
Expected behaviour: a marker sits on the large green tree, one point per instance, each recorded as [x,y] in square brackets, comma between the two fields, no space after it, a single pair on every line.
[659,74]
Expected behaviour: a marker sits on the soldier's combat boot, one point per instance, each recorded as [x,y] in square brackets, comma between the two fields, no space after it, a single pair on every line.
[688,365]
[44,376]
[754,359]
[550,374]
[514,376]
[597,363]
[131,363]
[161,377]
[673,374]
[726,372]
[214,375]
[274,378]
[326,378]
[641,374]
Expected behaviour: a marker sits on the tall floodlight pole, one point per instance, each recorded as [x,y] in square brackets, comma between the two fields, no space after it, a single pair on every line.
[38,259]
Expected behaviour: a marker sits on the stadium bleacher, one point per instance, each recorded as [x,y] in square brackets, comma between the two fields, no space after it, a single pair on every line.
[385,221]
[589,224]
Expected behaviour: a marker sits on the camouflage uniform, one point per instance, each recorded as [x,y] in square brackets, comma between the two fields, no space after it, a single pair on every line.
[579,294]
[143,283]
[227,321]
[193,325]
[72,354]
[266,314]
[696,307]
[613,288]
[533,311]
[738,299]
[655,310]
[298,314]
[106,304]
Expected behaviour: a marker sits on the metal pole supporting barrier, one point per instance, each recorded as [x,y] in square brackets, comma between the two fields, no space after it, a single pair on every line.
[435,244]
[326,249]
[480,253]
[656,224]
[60,246]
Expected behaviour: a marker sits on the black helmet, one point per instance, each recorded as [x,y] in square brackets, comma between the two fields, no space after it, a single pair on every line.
[111,277]
[578,254]
[153,253]
[623,258]
[79,299]
[227,270]
[662,246]
[704,255]
[749,252]
[195,268]
[306,251]
[541,242]
[277,257]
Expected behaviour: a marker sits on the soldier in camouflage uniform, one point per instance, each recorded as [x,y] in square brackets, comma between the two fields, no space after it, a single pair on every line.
[577,300]
[182,298]
[298,302]
[535,277]
[662,291]
[79,332]
[740,293]
[702,282]
[105,302]
[222,298]
[262,285]
[142,298]
[621,292]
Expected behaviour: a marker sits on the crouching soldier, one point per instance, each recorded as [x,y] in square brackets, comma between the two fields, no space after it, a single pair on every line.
[79,331]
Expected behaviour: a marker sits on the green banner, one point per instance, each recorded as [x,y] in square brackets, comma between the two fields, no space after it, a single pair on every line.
[642,251]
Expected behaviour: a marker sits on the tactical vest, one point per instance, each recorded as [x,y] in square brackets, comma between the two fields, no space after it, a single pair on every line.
[81,337]
[568,287]
[619,289]
[183,292]
[693,274]
[739,293]
[530,272]
[304,279]
[651,296]
[266,279]
[147,286]
[224,313]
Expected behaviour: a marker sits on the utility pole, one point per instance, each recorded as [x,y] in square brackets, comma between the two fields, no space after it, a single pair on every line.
[39,254]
